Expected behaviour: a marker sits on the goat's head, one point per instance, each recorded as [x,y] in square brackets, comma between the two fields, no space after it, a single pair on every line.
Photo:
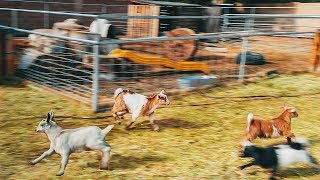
[162,96]
[46,123]
[291,111]
[248,149]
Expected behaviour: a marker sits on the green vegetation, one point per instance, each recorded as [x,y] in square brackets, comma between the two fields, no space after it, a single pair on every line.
[198,138]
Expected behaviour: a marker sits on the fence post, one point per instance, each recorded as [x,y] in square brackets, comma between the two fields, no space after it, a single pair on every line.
[46,16]
[244,49]
[95,78]
[14,19]
[225,19]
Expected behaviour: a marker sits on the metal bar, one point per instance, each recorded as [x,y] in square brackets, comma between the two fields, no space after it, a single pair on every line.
[46,16]
[49,12]
[225,21]
[280,25]
[221,35]
[121,16]
[50,35]
[268,7]
[63,3]
[243,16]
[44,76]
[94,4]
[14,19]
[244,49]
[95,77]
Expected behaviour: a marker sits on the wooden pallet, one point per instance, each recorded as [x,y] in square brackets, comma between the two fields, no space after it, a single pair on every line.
[140,28]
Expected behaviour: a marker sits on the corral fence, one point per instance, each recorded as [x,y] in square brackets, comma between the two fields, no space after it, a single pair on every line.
[87,67]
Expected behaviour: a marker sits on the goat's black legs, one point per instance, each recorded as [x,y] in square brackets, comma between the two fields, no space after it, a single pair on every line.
[313,160]
[273,176]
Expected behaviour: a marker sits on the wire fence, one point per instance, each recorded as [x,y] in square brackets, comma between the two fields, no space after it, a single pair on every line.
[88,67]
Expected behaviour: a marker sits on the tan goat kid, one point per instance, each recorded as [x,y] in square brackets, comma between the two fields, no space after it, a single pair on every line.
[279,126]
[127,101]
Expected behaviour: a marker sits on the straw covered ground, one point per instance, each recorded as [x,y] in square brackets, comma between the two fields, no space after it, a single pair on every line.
[198,136]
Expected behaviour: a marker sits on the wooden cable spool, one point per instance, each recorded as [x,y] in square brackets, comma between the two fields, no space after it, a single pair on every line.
[180,50]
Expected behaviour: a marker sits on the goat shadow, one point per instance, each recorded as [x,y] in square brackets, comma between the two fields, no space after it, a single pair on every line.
[299,172]
[130,162]
[119,162]
[168,124]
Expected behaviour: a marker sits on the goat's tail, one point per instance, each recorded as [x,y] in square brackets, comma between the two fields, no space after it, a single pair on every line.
[249,119]
[106,130]
[117,92]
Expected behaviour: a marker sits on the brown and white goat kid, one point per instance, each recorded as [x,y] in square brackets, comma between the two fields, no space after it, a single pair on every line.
[127,101]
[67,141]
[279,126]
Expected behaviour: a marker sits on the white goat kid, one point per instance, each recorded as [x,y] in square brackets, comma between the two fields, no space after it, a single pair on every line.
[67,141]
[127,101]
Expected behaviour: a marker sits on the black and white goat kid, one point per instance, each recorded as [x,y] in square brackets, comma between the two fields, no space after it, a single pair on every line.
[279,156]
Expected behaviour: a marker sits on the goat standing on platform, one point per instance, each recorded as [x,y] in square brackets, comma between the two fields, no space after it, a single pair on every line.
[67,141]
[280,126]
[127,101]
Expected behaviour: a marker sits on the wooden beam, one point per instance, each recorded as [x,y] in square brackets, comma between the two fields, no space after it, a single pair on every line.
[315,53]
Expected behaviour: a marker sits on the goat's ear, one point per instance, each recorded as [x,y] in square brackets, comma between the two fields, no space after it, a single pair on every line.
[151,97]
[285,106]
[50,116]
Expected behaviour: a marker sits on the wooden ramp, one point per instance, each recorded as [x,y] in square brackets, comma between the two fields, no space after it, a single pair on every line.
[153,60]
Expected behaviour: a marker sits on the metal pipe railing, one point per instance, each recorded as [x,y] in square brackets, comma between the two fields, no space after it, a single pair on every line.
[49,12]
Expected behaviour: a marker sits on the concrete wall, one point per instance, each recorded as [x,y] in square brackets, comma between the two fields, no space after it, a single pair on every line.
[308,24]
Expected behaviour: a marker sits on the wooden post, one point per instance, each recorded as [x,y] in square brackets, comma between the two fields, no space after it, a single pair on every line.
[2,54]
[315,53]
[10,55]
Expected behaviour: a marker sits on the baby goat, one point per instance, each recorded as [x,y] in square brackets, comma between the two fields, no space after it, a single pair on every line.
[278,157]
[67,141]
[127,101]
[280,126]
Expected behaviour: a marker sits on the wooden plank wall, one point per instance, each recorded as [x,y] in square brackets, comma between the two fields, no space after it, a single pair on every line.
[2,53]
[8,58]
[140,28]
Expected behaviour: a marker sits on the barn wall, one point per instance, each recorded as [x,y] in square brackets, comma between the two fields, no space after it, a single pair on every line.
[298,9]
[36,20]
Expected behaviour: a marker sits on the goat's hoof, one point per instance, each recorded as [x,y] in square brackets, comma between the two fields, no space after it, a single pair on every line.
[32,163]
[119,122]
[104,167]
[155,127]
[273,178]
[59,173]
